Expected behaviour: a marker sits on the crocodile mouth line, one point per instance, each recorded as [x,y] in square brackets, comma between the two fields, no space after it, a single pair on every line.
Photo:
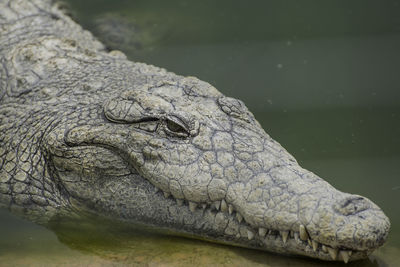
[299,239]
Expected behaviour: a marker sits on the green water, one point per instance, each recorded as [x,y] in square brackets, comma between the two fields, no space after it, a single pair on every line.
[322,77]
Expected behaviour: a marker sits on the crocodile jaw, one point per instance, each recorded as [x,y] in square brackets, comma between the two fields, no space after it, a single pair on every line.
[214,222]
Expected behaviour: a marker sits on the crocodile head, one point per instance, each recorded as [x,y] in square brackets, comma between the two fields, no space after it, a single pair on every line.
[178,154]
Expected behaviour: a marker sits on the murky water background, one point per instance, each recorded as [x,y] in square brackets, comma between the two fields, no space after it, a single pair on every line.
[322,77]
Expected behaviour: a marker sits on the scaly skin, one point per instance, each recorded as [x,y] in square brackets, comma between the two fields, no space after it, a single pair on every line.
[86,130]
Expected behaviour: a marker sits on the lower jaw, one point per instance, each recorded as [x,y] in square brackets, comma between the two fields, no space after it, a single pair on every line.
[243,234]
[292,247]
[272,241]
[211,225]
[295,246]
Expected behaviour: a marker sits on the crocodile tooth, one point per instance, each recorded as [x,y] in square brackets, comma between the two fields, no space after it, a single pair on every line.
[224,207]
[292,234]
[345,255]
[309,242]
[314,245]
[166,195]
[262,231]
[296,236]
[239,217]
[324,249]
[204,206]
[303,233]
[230,208]
[250,235]
[179,201]
[192,206]
[284,235]
[350,252]
[217,204]
[333,252]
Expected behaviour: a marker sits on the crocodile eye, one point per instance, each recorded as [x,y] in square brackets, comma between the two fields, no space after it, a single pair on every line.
[174,126]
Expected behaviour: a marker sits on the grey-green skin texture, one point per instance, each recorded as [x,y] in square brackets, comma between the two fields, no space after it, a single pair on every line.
[83,129]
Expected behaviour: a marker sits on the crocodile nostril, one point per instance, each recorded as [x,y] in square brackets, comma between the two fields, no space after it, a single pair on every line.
[351,205]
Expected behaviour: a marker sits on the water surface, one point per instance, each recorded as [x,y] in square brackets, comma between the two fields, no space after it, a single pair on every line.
[321,77]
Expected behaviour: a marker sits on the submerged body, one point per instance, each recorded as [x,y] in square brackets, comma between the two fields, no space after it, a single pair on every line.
[84,130]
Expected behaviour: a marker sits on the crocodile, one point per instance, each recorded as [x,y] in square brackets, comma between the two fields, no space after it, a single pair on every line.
[84,129]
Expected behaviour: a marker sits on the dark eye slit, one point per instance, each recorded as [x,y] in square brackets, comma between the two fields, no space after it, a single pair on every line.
[175,125]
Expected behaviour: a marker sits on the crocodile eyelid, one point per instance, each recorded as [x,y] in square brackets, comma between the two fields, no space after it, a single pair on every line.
[176,126]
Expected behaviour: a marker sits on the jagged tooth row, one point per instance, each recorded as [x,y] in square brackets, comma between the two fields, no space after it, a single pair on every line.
[303,235]
[216,205]
[300,236]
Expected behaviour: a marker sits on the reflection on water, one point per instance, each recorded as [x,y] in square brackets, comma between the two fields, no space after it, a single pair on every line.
[92,241]
[322,78]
